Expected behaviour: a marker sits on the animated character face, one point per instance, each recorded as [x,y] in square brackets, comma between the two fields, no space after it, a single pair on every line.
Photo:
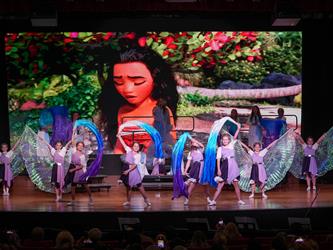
[133,81]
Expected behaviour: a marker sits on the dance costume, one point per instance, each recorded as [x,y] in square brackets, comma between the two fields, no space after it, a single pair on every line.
[58,176]
[134,177]
[228,165]
[258,173]
[158,167]
[196,167]
[309,166]
[78,159]
[6,174]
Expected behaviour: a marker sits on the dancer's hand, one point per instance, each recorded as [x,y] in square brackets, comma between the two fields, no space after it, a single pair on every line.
[219,173]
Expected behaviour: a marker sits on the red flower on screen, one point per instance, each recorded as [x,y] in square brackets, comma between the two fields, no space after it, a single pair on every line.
[130,35]
[172,46]
[73,34]
[168,40]
[31,104]
[250,58]
[142,41]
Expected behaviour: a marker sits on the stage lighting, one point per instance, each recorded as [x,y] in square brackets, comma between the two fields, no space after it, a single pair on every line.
[44,14]
[44,21]
[285,14]
[283,21]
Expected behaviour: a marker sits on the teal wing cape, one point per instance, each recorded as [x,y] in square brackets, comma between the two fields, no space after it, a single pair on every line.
[278,161]
[324,157]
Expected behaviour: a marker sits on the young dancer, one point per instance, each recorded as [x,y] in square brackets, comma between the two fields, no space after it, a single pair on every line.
[255,130]
[193,168]
[6,175]
[258,175]
[76,169]
[135,170]
[309,167]
[58,175]
[227,169]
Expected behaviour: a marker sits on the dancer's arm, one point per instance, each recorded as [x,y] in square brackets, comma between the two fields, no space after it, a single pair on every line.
[15,145]
[188,163]
[237,132]
[218,161]
[68,144]
[83,164]
[199,143]
[131,168]
[48,145]
[271,144]
[245,146]
[122,142]
[299,139]
[321,138]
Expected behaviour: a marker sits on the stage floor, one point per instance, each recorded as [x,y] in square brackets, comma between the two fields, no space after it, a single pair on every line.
[25,198]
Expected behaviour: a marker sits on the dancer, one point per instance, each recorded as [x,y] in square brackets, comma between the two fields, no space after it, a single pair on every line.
[255,130]
[258,175]
[58,176]
[6,175]
[309,167]
[158,166]
[76,170]
[134,171]
[281,116]
[194,163]
[227,169]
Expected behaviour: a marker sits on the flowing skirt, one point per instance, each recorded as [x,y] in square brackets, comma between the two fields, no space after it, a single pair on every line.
[58,178]
[229,171]
[258,174]
[74,177]
[309,166]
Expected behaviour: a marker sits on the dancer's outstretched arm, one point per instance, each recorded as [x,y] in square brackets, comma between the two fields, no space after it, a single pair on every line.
[245,146]
[321,138]
[300,139]
[122,141]
[199,143]
[237,132]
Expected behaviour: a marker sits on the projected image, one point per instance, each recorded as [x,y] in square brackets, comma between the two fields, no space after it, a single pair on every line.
[176,82]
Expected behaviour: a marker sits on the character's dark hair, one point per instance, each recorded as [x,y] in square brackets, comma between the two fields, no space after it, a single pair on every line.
[256,143]
[77,144]
[280,110]
[252,113]
[164,85]
[235,112]
[139,144]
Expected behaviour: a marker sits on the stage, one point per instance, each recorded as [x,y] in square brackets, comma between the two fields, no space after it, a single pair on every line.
[26,205]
